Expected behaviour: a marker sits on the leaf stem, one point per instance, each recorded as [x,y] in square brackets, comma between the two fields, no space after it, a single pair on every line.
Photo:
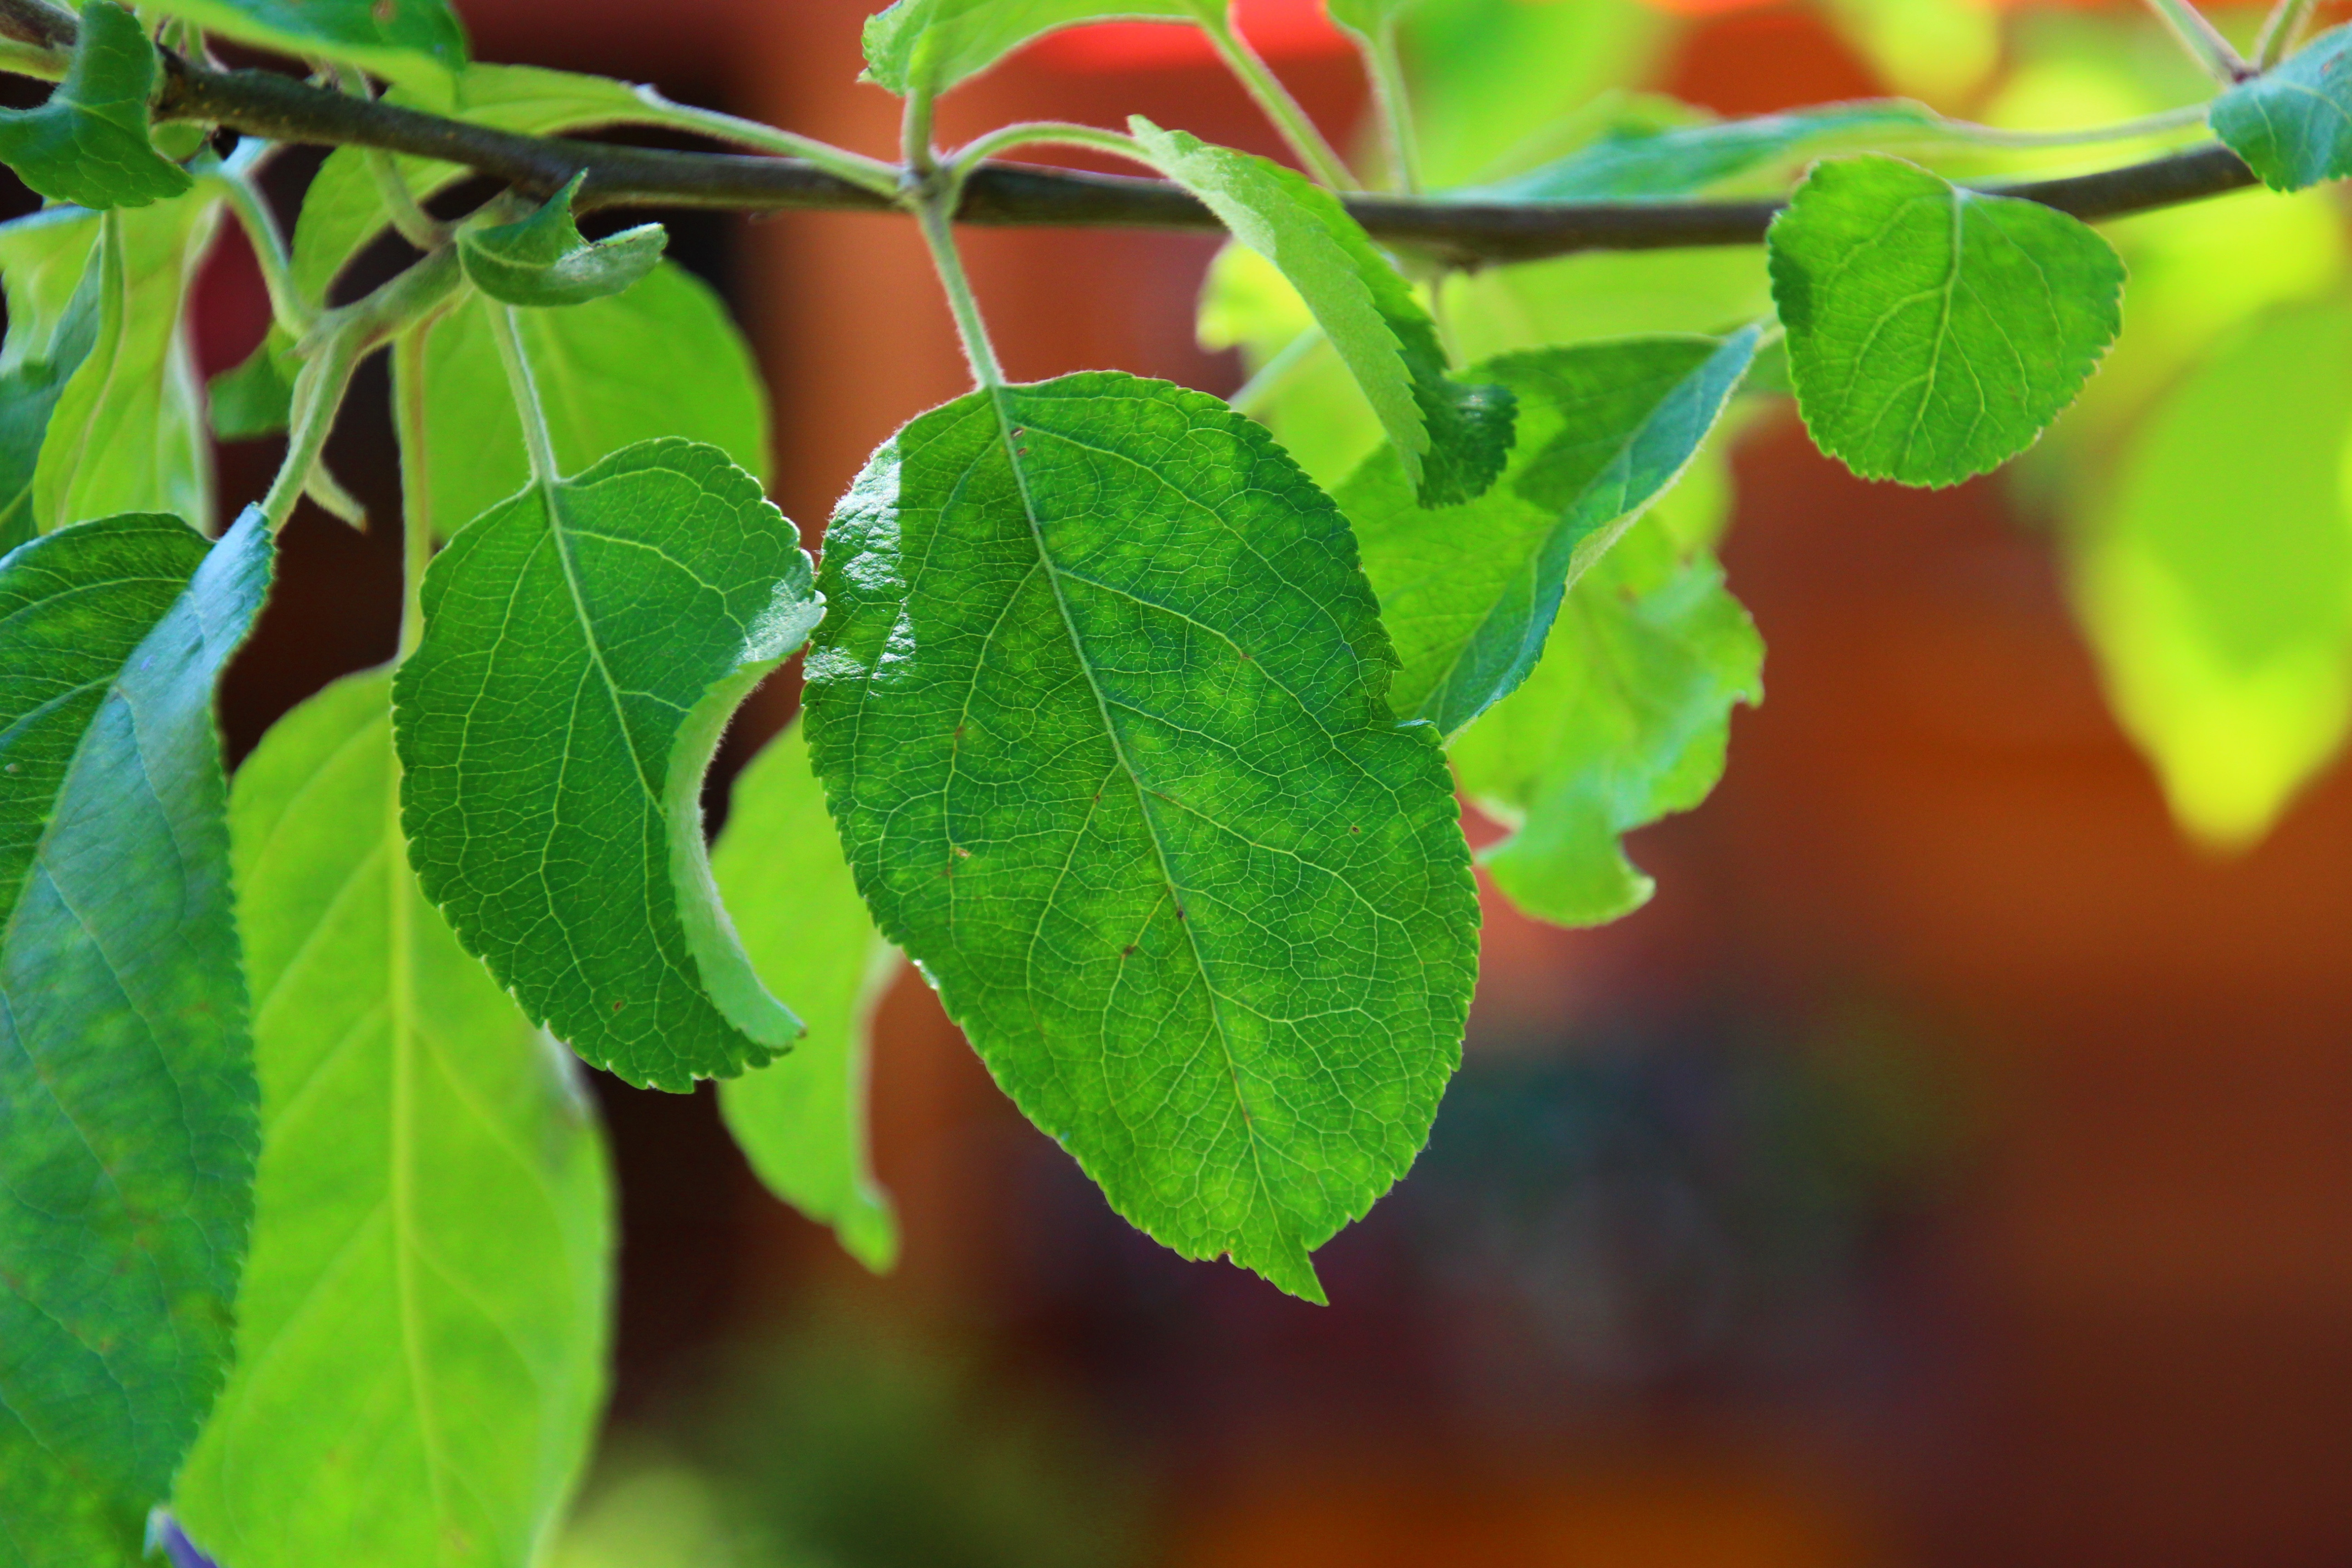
[414,225]
[2204,41]
[416,512]
[1393,99]
[914,136]
[536,440]
[2280,30]
[2181,119]
[1267,88]
[1048,134]
[318,388]
[32,61]
[939,234]
[873,174]
[293,310]
[330,351]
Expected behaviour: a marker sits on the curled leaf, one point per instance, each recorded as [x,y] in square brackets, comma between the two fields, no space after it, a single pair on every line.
[88,144]
[544,260]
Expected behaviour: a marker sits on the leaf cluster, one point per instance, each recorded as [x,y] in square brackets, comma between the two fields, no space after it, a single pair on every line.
[1137,718]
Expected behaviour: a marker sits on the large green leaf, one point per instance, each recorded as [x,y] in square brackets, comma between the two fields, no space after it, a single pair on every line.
[422,1333]
[542,259]
[1098,706]
[1624,721]
[1469,591]
[416,42]
[48,337]
[128,431]
[2293,124]
[801,1120]
[1934,330]
[585,643]
[2216,578]
[1679,160]
[934,44]
[662,359]
[127,1098]
[1451,439]
[88,143]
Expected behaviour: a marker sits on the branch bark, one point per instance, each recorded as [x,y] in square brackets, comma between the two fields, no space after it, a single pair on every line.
[1464,234]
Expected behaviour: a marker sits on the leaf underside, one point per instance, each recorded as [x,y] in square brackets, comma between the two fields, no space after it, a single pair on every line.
[415,42]
[544,260]
[1469,592]
[935,44]
[1934,331]
[422,1331]
[662,359]
[801,1119]
[127,1097]
[1098,706]
[1451,439]
[2293,124]
[584,645]
[1623,721]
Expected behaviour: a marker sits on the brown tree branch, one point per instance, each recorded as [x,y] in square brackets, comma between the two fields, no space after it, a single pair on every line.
[1463,233]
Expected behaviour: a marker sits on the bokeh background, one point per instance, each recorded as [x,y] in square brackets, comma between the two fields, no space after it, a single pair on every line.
[1952,1165]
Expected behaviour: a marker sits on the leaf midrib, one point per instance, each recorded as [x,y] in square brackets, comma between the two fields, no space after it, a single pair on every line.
[1000,402]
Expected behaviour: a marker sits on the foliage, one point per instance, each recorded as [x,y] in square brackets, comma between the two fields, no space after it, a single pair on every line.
[1136,719]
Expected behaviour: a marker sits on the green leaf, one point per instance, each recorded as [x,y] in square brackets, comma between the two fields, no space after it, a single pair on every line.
[934,44]
[128,432]
[2293,124]
[417,42]
[46,345]
[127,1095]
[585,643]
[1098,706]
[88,143]
[663,359]
[801,1120]
[1451,439]
[1623,721]
[422,1333]
[256,398]
[1469,591]
[1679,160]
[1934,330]
[2215,577]
[544,260]
[343,208]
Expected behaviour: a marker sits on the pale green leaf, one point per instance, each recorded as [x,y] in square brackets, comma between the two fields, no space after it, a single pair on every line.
[585,643]
[127,1098]
[256,397]
[1098,703]
[1677,160]
[48,337]
[2293,124]
[343,208]
[1934,330]
[1624,721]
[2215,578]
[932,44]
[419,43]
[801,1119]
[128,432]
[422,1333]
[663,359]
[88,143]
[542,259]
[1450,437]
[1469,591]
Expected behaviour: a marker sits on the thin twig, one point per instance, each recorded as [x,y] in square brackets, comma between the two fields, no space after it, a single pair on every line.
[1458,233]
